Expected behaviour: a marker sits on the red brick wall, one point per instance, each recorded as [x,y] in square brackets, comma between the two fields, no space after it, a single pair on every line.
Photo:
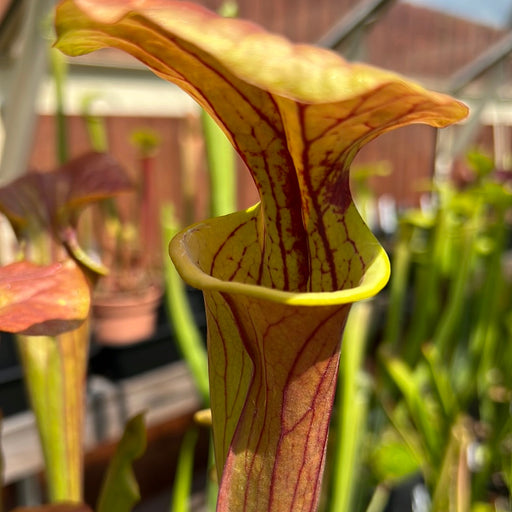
[407,39]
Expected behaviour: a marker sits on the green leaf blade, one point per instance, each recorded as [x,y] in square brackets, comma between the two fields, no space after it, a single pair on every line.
[120,491]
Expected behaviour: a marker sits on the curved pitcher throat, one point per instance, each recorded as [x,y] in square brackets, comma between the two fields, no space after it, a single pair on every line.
[273,358]
[278,279]
[226,254]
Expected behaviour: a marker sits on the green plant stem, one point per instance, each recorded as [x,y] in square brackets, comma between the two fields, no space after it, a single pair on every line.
[189,340]
[486,354]
[120,490]
[221,167]
[398,287]
[188,337]
[379,499]
[182,487]
[453,490]
[426,291]
[410,386]
[219,151]
[55,370]
[59,70]
[95,126]
[352,415]
[482,349]
[444,335]
[441,384]
[212,488]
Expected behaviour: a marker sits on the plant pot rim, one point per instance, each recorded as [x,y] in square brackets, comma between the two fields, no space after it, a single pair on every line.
[114,298]
[124,319]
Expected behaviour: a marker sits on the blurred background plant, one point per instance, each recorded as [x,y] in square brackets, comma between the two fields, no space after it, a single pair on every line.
[430,420]
[422,420]
[122,235]
[425,382]
[43,209]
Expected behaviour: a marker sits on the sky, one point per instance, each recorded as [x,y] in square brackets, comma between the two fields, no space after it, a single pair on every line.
[489,12]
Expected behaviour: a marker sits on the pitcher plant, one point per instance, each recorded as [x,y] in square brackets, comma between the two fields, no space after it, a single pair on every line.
[45,299]
[278,278]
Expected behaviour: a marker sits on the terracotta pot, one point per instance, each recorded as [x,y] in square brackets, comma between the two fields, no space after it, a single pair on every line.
[123,319]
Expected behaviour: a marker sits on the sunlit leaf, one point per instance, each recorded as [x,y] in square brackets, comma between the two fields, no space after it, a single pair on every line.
[392,460]
[480,163]
[278,278]
[120,491]
[423,408]
[42,299]
[441,383]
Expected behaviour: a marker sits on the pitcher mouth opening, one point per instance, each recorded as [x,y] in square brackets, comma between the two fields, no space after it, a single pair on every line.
[185,257]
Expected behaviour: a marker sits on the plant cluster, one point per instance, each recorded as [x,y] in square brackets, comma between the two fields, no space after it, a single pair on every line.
[280,278]
[446,351]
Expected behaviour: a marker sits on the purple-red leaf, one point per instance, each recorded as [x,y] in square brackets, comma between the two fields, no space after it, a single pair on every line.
[50,202]
[54,198]
[92,177]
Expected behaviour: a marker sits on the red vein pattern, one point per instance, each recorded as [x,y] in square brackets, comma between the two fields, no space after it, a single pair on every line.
[287,408]
[297,115]
[274,367]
